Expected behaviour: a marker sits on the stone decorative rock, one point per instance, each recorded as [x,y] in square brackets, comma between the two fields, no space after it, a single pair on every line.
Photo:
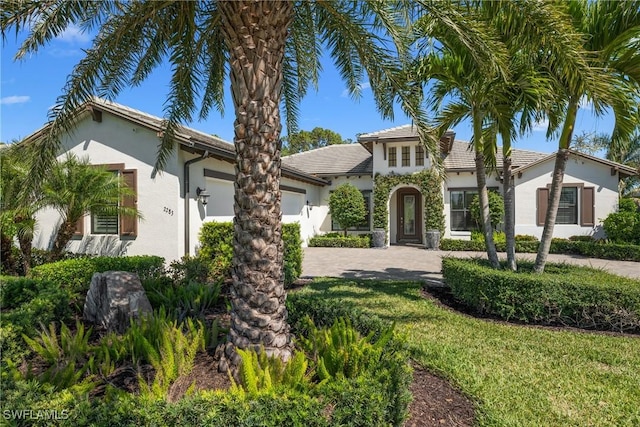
[114,298]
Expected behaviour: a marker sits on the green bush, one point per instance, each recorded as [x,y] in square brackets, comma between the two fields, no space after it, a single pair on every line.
[387,386]
[74,275]
[346,206]
[597,249]
[564,294]
[623,227]
[216,242]
[525,238]
[353,241]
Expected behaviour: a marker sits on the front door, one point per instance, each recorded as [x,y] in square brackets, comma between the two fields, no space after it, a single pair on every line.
[409,216]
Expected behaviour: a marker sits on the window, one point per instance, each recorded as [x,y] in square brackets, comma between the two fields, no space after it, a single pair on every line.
[419,155]
[393,158]
[108,223]
[406,156]
[568,208]
[460,200]
[366,224]
[576,205]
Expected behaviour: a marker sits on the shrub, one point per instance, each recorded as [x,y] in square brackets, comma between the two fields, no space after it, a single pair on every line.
[525,238]
[498,237]
[346,206]
[355,241]
[496,208]
[623,227]
[74,275]
[216,242]
[582,238]
[564,294]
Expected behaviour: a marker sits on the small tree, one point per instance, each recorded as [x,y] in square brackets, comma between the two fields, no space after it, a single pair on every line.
[346,206]
[496,209]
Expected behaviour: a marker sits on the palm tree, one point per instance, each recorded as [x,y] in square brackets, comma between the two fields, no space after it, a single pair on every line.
[19,204]
[271,49]
[611,36]
[456,78]
[76,188]
[627,152]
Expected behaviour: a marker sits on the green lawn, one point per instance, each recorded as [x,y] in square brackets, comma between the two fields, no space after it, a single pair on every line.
[518,376]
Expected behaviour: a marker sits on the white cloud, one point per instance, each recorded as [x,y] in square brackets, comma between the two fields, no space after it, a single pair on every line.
[15,99]
[63,53]
[363,86]
[74,35]
[541,125]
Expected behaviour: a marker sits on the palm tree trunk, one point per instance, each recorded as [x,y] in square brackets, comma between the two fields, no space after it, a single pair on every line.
[483,194]
[25,248]
[485,215]
[556,186]
[255,33]
[65,233]
[509,212]
[8,263]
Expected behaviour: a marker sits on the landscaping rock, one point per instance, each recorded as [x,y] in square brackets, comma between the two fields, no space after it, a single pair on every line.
[114,298]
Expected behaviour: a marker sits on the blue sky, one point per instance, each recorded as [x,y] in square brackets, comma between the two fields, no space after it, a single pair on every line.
[30,87]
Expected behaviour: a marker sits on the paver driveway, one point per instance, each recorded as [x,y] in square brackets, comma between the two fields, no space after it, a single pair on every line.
[413,263]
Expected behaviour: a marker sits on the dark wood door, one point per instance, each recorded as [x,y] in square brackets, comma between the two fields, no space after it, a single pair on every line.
[409,216]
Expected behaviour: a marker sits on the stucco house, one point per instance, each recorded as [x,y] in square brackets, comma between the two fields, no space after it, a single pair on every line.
[197,186]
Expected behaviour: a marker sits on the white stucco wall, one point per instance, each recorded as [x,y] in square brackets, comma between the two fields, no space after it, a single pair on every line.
[381,163]
[322,220]
[220,205]
[118,141]
[579,170]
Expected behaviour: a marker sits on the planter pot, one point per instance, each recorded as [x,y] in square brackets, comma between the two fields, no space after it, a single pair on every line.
[379,237]
[433,239]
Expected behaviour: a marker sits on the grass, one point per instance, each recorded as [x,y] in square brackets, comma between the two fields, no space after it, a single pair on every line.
[517,375]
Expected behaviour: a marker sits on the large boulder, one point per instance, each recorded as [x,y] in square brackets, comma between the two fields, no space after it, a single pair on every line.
[114,298]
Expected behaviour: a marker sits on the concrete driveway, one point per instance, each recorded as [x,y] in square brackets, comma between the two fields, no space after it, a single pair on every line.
[413,263]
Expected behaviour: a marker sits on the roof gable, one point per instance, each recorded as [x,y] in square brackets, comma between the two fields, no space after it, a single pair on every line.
[339,159]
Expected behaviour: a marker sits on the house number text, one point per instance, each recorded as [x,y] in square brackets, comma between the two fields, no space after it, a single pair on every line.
[168,211]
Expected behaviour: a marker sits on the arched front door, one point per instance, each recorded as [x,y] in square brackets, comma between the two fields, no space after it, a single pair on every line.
[409,216]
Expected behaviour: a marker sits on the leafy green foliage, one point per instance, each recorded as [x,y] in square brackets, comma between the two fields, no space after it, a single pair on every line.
[623,226]
[598,249]
[496,208]
[430,187]
[192,299]
[346,206]
[216,240]
[298,142]
[74,275]
[62,353]
[260,373]
[564,294]
[353,241]
[340,352]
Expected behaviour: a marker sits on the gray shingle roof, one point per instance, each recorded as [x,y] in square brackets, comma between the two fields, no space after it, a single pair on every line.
[404,131]
[341,159]
[462,156]
[190,137]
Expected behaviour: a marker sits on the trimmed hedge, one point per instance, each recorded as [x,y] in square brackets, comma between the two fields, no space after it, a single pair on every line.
[558,246]
[216,242]
[354,241]
[74,275]
[564,294]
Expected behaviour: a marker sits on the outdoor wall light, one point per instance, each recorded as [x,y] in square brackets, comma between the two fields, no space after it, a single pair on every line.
[309,205]
[203,196]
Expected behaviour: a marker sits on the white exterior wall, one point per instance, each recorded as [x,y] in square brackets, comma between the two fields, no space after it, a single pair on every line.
[458,180]
[322,220]
[381,162]
[578,171]
[118,141]
[220,205]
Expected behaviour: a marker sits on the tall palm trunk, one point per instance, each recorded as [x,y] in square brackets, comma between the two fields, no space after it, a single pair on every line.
[509,211]
[65,233]
[6,254]
[556,186]
[25,243]
[483,194]
[255,34]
